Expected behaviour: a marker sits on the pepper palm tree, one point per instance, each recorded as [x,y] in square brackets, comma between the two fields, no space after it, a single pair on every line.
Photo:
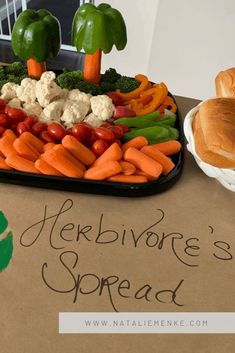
[96,30]
[36,36]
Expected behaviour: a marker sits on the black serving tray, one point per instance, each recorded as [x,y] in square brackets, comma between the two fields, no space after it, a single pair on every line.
[102,187]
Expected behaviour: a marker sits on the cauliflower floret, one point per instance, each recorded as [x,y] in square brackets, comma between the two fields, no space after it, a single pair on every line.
[9,91]
[48,76]
[74,112]
[32,108]
[102,106]
[26,91]
[53,111]
[63,94]
[46,91]
[15,103]
[93,120]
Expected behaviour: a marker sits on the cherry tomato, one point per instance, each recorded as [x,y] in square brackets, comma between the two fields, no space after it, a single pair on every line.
[4,120]
[124,127]
[99,147]
[31,120]
[46,137]
[106,124]
[82,130]
[56,130]
[2,129]
[118,142]
[104,134]
[13,126]
[22,127]
[69,131]
[117,130]
[16,115]
[38,127]
[91,139]
[2,105]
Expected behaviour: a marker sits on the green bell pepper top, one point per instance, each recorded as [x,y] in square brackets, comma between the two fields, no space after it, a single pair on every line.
[36,34]
[98,27]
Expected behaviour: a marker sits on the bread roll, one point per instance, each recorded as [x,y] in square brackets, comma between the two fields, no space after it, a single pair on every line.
[225,83]
[214,132]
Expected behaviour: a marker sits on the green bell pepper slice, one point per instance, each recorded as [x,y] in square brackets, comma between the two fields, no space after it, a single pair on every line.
[98,27]
[36,34]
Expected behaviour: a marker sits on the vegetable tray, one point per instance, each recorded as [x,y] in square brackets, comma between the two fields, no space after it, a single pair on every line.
[101,187]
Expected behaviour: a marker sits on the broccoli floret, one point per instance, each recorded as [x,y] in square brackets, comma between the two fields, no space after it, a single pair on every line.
[69,79]
[2,73]
[16,69]
[15,79]
[107,87]
[126,84]
[88,87]
[110,76]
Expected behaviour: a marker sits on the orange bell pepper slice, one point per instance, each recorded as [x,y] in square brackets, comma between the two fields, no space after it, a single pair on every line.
[159,94]
[144,83]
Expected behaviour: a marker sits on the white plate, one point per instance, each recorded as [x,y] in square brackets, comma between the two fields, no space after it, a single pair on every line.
[225,176]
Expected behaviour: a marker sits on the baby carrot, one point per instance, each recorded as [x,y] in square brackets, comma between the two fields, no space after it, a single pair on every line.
[158,156]
[113,153]
[3,164]
[45,168]
[103,171]
[140,172]
[122,178]
[21,164]
[48,146]
[6,146]
[10,134]
[137,142]
[169,147]
[25,150]
[127,168]
[32,140]
[143,162]
[57,160]
[81,152]
[61,149]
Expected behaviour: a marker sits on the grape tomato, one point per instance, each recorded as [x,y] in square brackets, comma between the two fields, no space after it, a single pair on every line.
[57,131]
[22,127]
[16,115]
[4,120]
[99,147]
[105,134]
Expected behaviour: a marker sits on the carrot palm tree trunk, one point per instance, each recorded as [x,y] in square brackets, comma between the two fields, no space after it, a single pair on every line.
[92,66]
[35,69]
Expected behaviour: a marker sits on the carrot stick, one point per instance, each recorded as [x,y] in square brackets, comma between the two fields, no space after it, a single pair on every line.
[48,146]
[2,155]
[61,149]
[103,171]
[25,150]
[32,141]
[154,153]
[137,142]
[35,69]
[122,178]
[6,146]
[58,161]
[113,153]
[21,164]
[81,152]
[10,134]
[149,177]
[168,148]
[92,67]
[143,162]
[3,164]
[45,168]
[127,168]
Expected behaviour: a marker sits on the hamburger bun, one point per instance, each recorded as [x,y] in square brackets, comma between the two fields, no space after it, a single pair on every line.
[214,132]
[225,83]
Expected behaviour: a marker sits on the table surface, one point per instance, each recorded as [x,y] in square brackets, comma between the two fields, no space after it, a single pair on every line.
[197,210]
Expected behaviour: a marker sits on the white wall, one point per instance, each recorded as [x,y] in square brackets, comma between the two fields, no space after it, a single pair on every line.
[184,43]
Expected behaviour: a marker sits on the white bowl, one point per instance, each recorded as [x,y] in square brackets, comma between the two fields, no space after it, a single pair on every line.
[225,176]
